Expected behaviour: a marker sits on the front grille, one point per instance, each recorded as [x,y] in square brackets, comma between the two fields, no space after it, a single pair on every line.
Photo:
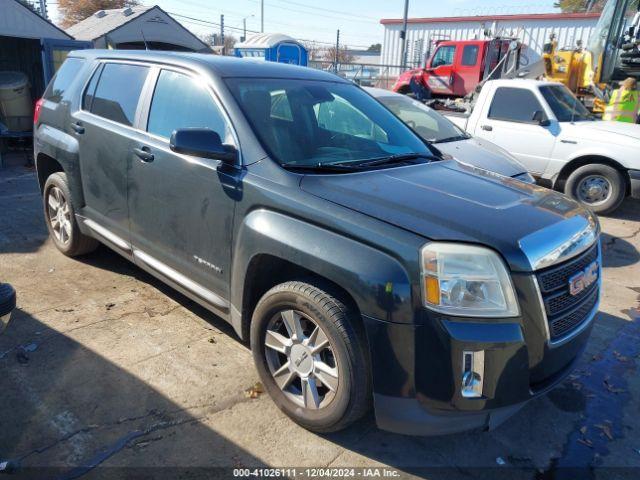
[557,276]
[565,312]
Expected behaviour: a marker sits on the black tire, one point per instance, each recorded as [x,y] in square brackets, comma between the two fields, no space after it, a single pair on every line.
[72,242]
[351,397]
[617,187]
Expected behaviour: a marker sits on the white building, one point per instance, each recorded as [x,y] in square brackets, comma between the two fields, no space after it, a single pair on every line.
[532,29]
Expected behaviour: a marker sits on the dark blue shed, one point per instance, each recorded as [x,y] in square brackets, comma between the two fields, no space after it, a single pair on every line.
[273,47]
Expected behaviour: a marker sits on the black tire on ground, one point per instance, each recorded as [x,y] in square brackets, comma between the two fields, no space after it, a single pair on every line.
[352,397]
[614,178]
[74,242]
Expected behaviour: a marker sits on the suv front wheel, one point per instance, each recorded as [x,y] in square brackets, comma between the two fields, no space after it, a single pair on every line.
[310,356]
[61,220]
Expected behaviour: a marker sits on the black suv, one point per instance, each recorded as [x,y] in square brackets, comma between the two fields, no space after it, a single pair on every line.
[361,263]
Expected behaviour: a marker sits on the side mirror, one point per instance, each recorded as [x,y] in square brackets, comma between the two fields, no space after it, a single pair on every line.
[7,304]
[202,142]
[541,119]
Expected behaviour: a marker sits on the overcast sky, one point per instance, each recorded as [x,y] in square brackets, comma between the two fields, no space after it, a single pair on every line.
[358,20]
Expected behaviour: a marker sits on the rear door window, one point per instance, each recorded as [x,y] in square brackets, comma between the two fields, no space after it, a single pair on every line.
[118,92]
[514,105]
[67,73]
[180,101]
[469,55]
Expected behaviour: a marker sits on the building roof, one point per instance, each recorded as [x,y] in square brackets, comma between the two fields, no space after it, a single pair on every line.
[491,18]
[104,21]
[19,21]
[265,40]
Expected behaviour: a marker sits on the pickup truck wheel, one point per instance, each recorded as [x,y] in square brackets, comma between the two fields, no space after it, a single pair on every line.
[309,357]
[61,220]
[600,187]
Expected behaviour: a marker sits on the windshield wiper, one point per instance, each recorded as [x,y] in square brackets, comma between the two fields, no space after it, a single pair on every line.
[397,158]
[360,164]
[322,167]
[452,139]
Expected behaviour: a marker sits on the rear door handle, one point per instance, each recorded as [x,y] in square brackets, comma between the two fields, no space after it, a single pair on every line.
[144,154]
[77,127]
[488,128]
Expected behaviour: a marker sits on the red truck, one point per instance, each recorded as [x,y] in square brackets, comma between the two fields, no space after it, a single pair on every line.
[458,66]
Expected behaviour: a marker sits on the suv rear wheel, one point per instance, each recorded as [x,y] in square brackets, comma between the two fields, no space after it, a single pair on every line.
[310,357]
[61,220]
[600,187]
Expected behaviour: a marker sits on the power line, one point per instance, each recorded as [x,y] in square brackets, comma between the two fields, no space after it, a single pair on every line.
[200,22]
[328,10]
[332,17]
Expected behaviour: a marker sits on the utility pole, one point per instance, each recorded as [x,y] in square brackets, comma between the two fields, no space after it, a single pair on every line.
[244,28]
[43,9]
[261,16]
[335,66]
[403,36]
[222,33]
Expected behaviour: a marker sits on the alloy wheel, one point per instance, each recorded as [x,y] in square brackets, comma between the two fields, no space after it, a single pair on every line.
[59,215]
[594,190]
[301,359]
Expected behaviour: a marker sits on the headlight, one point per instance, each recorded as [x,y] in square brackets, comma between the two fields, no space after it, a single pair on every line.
[466,280]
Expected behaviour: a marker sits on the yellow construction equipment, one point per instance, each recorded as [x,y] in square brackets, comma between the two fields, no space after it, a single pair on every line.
[611,55]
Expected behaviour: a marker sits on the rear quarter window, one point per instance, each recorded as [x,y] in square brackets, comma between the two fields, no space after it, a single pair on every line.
[65,76]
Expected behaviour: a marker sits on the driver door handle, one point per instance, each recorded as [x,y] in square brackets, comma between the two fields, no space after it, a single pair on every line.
[488,128]
[77,127]
[144,154]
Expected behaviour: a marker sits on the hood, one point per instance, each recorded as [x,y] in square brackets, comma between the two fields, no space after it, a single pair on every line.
[587,129]
[451,201]
[483,154]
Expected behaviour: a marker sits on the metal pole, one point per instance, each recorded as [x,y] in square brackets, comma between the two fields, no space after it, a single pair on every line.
[244,25]
[261,16]
[403,35]
[222,33]
[335,66]
[43,9]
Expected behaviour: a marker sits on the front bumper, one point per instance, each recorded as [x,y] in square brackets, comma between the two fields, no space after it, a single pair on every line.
[418,368]
[634,180]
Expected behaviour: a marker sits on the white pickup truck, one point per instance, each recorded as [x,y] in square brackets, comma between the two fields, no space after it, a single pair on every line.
[554,136]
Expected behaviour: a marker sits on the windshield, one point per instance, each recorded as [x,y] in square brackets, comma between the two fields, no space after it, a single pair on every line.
[430,125]
[310,123]
[564,104]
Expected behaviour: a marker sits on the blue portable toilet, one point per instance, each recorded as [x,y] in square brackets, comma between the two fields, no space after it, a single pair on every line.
[273,47]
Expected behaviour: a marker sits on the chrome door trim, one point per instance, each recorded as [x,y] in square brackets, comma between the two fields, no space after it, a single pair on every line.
[561,241]
[107,235]
[180,279]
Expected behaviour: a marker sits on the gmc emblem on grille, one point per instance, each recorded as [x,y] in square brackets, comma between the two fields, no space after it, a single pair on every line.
[583,279]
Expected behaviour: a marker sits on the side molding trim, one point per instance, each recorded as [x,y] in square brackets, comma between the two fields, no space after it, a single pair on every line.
[107,235]
[180,279]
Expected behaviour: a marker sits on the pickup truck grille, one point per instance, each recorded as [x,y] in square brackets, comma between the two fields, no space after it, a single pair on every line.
[565,312]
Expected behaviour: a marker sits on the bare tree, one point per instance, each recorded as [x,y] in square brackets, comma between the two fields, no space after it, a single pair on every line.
[214,40]
[579,6]
[344,55]
[313,50]
[74,11]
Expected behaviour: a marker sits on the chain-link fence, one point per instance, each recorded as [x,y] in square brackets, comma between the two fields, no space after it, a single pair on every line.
[365,74]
